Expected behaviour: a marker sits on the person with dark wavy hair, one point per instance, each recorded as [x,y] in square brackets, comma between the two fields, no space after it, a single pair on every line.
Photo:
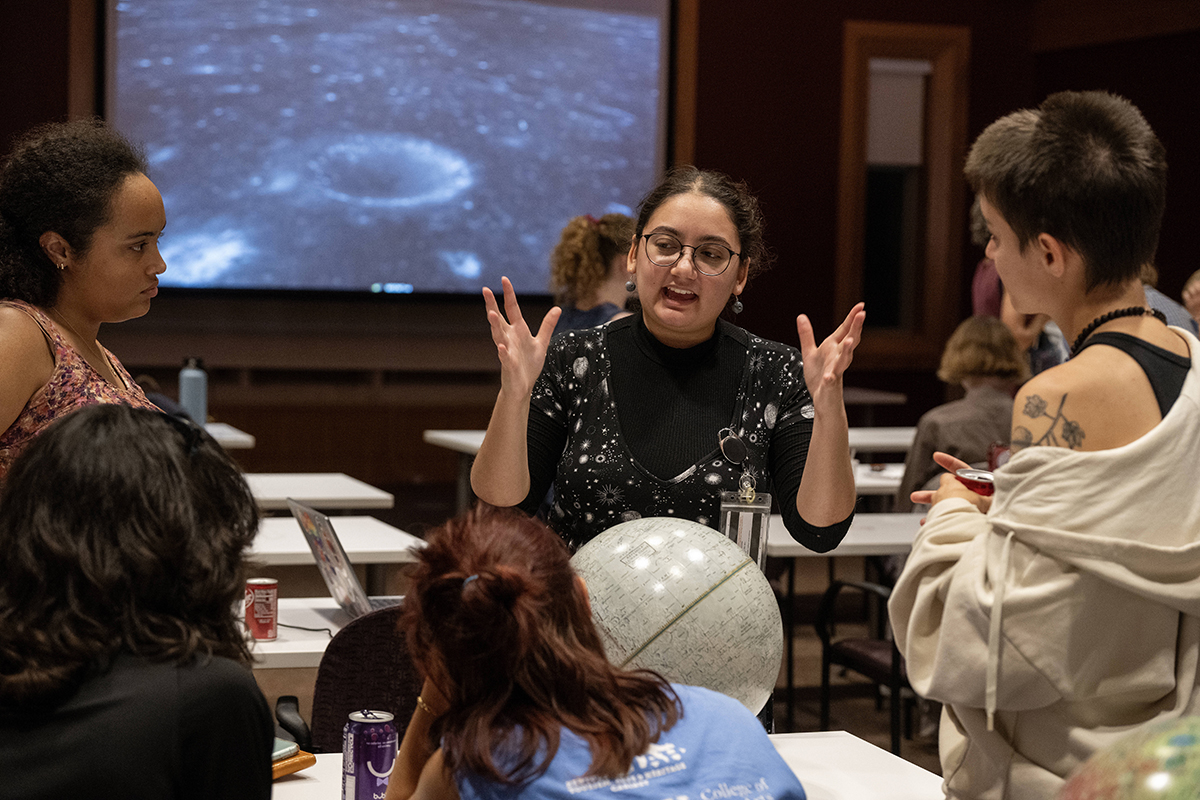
[659,413]
[122,664]
[79,229]
[519,699]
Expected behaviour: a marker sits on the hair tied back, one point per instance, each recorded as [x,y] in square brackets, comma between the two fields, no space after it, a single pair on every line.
[468,579]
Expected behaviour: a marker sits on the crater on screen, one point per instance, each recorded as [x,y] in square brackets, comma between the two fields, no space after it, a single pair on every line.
[387,171]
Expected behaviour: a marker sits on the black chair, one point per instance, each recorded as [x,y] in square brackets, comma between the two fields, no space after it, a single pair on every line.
[876,658]
[366,665]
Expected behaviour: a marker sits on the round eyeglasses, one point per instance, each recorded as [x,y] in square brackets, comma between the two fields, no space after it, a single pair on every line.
[710,258]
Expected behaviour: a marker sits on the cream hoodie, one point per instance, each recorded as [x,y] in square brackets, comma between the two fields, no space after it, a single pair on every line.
[1071,610]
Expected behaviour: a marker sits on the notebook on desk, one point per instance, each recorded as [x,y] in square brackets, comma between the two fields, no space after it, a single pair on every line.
[333,564]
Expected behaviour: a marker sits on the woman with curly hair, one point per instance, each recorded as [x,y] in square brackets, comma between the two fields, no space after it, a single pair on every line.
[587,271]
[122,663]
[659,413]
[519,699]
[79,229]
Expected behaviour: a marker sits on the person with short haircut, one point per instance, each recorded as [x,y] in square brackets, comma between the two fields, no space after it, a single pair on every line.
[1064,611]
[983,357]
[587,271]
[123,668]
[79,229]
[657,414]
[519,699]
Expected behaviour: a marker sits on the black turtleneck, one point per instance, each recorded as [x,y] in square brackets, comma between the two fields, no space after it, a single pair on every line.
[671,404]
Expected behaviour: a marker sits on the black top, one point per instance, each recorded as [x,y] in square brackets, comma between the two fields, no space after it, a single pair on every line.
[1165,370]
[573,319]
[627,427]
[144,730]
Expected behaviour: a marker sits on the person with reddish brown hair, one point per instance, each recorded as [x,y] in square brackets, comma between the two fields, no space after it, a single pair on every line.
[519,698]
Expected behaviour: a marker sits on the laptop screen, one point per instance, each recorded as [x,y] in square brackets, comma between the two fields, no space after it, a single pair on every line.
[331,559]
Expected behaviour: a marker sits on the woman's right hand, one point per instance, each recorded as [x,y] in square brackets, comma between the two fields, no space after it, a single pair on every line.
[521,353]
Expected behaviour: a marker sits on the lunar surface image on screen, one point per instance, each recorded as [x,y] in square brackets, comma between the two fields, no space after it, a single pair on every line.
[396,146]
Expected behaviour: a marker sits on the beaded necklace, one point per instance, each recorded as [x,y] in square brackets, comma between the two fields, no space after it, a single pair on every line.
[1132,311]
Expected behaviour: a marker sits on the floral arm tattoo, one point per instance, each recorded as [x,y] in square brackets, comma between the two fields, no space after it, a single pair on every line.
[1061,433]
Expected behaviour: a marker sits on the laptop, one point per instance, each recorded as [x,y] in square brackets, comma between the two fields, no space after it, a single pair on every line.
[333,564]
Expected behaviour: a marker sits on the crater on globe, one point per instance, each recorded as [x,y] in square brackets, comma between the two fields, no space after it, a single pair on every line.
[681,599]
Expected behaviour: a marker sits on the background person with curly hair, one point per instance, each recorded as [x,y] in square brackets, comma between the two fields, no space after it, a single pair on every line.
[79,229]
[587,271]
[123,669]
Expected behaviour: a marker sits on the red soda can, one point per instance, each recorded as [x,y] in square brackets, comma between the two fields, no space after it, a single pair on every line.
[262,608]
[369,746]
[978,481]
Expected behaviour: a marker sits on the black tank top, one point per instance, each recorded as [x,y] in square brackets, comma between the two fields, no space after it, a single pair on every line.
[1165,370]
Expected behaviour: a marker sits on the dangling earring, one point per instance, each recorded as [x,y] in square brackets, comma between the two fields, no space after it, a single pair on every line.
[736,307]
[630,285]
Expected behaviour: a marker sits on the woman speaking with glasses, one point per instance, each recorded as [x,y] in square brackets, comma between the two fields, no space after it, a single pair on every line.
[656,414]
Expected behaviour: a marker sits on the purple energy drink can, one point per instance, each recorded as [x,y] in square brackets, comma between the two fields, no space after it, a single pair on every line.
[369,745]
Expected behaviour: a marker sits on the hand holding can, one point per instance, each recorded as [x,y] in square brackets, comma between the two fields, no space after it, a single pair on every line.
[979,481]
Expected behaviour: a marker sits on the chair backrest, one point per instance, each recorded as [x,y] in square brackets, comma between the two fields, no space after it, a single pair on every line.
[366,665]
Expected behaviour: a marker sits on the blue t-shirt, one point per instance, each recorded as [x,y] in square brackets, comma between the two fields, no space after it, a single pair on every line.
[716,751]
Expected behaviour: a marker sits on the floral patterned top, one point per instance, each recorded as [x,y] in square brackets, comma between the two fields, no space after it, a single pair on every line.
[73,384]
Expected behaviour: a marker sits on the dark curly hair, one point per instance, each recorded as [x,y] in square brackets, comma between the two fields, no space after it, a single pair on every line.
[59,177]
[734,195]
[121,530]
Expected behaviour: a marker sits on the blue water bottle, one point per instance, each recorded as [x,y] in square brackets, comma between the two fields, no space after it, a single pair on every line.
[193,390]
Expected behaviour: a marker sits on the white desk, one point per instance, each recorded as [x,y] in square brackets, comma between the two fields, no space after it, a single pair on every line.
[882,440]
[885,481]
[831,765]
[835,765]
[874,440]
[323,491]
[366,540]
[869,535]
[229,437]
[296,648]
[466,444]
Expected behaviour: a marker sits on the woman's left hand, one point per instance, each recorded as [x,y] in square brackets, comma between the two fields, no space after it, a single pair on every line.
[825,364]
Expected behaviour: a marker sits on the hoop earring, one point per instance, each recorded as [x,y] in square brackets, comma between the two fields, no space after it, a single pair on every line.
[630,285]
[737,306]
[62,267]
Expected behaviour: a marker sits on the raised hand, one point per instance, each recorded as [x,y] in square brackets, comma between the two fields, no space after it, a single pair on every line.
[825,364]
[521,353]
